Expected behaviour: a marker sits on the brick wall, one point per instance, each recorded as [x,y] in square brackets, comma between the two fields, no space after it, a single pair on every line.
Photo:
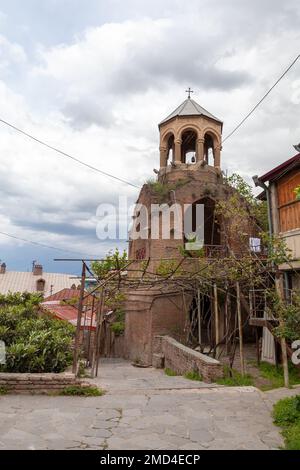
[148,314]
[202,184]
[37,383]
[182,359]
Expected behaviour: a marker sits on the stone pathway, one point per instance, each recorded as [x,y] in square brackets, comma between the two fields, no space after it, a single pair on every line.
[143,409]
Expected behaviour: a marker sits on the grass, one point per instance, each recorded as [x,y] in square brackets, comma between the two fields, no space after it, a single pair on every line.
[275,375]
[286,414]
[232,378]
[170,372]
[77,390]
[193,375]
[292,437]
[3,390]
[162,190]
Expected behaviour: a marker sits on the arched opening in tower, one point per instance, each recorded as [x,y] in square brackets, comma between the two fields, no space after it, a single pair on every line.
[188,147]
[170,149]
[209,152]
[212,232]
[210,223]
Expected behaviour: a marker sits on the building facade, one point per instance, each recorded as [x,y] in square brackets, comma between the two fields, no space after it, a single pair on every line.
[284,208]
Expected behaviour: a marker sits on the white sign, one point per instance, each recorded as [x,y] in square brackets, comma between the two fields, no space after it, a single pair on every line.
[2,353]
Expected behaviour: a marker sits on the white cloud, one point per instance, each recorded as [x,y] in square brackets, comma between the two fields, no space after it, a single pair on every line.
[12,56]
[101,95]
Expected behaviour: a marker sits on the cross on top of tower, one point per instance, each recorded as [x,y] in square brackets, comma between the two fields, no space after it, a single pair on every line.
[189,91]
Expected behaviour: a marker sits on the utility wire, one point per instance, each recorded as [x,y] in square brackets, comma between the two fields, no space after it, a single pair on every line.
[262,99]
[116,177]
[40,244]
[109,175]
[61,152]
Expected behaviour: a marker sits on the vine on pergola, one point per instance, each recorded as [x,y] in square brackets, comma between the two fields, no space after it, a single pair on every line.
[242,216]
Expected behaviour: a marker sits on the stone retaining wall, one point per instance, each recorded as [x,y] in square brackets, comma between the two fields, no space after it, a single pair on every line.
[37,383]
[167,352]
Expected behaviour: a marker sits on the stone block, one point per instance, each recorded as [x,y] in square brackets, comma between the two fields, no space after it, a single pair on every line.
[158,361]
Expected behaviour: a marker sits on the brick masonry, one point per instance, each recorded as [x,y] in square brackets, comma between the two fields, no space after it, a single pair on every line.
[37,383]
[182,359]
[149,314]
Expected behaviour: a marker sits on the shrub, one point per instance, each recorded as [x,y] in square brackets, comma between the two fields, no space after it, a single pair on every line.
[162,190]
[292,437]
[34,343]
[287,411]
[170,372]
[118,328]
[77,390]
[3,390]
[193,375]
[286,414]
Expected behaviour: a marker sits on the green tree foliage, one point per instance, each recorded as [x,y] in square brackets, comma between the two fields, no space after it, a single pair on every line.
[112,262]
[34,343]
[114,298]
[257,209]
[162,190]
[288,313]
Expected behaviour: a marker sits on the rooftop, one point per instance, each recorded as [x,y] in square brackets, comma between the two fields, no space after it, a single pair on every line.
[15,281]
[69,313]
[282,169]
[64,294]
[190,108]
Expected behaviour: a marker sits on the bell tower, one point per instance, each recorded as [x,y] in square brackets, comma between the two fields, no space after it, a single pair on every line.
[190,138]
[189,176]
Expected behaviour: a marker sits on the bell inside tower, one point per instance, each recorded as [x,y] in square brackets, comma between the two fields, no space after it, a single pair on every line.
[190,135]
[188,147]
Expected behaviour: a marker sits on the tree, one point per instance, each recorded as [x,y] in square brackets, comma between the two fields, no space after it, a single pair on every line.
[34,342]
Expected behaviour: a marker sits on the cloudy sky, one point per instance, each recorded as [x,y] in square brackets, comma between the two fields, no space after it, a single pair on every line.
[94,78]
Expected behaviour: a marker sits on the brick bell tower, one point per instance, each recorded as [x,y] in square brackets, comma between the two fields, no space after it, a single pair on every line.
[190,138]
[190,173]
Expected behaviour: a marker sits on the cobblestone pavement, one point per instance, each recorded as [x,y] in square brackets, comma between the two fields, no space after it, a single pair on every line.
[142,409]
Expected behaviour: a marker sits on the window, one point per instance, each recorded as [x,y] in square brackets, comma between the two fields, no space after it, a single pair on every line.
[40,285]
[188,147]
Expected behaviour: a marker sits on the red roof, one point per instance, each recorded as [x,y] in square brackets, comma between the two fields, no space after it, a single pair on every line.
[69,294]
[284,168]
[69,313]
[64,294]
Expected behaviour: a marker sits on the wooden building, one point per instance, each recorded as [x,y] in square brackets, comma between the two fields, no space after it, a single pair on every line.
[284,206]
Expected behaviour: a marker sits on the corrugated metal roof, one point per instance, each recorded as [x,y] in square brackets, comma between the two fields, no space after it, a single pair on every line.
[64,294]
[190,108]
[69,294]
[69,313]
[15,281]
